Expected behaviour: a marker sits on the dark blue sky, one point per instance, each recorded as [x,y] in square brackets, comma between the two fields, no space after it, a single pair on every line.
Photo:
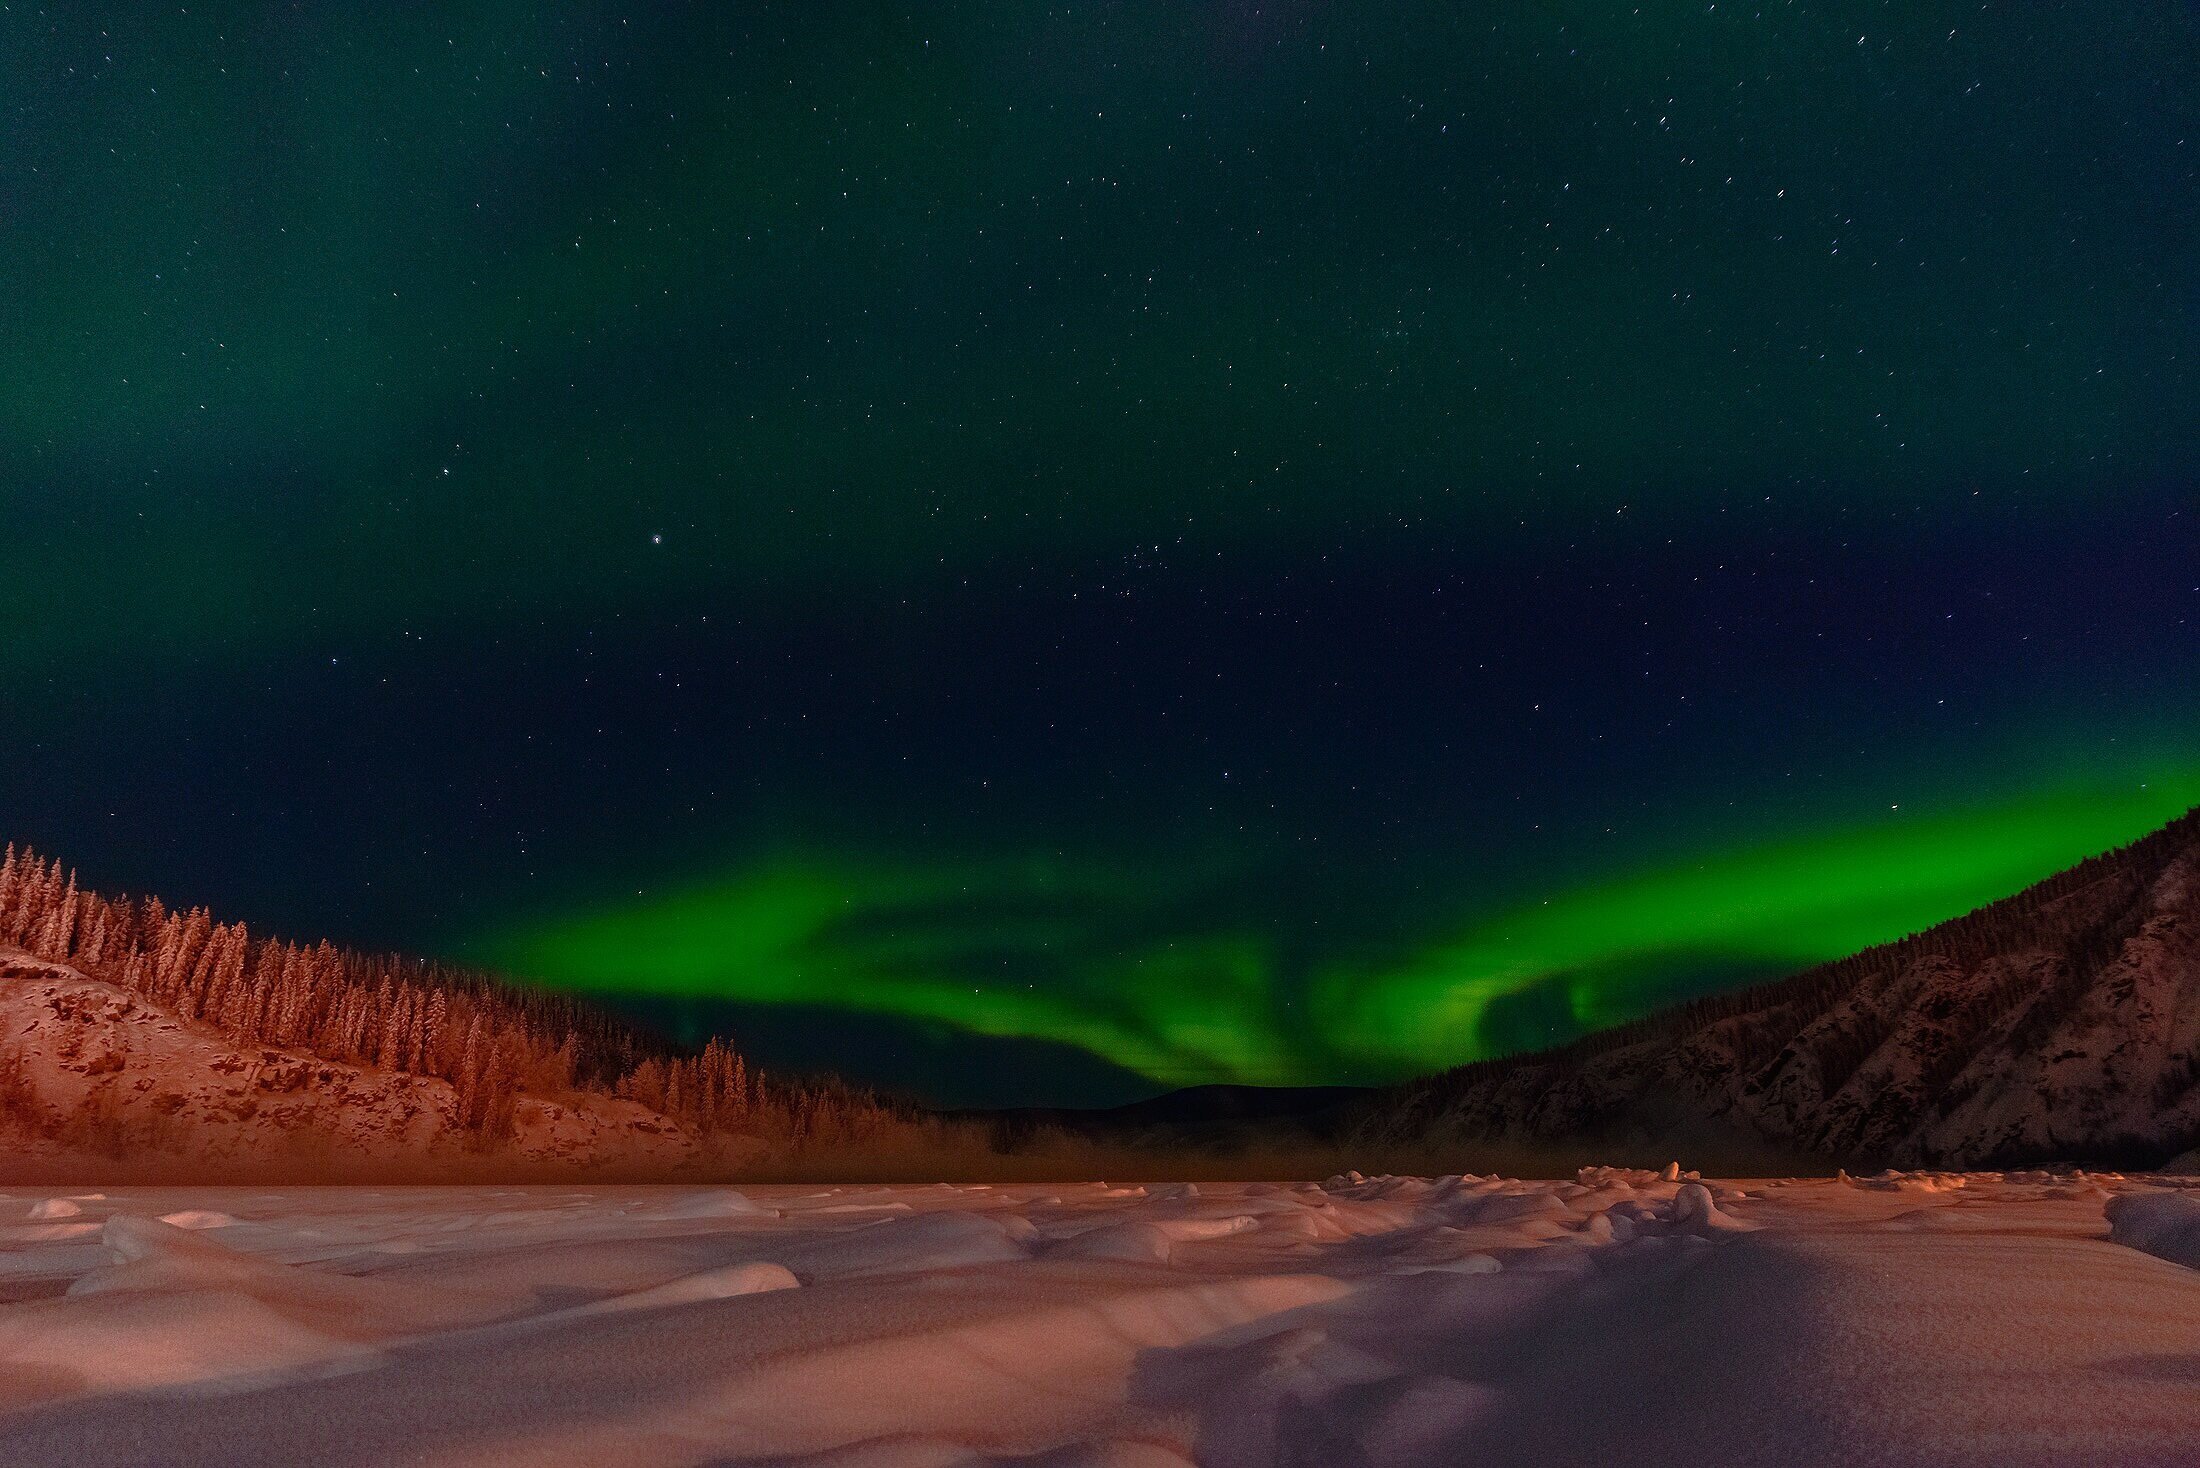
[1039,554]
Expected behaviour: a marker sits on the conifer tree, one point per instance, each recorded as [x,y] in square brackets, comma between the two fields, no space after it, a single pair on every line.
[486,1040]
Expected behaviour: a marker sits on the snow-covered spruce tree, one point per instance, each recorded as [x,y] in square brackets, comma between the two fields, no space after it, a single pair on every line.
[490,1041]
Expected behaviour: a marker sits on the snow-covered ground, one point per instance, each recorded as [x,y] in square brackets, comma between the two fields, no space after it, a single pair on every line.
[177,1095]
[1622,1317]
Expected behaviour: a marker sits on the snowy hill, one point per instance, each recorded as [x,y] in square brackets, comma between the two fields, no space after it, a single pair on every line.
[2060,1023]
[93,1077]
[138,1040]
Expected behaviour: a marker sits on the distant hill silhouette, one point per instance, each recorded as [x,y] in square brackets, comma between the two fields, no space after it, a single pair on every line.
[2062,1023]
[2058,1024]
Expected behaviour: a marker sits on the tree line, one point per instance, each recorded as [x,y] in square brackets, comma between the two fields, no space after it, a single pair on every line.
[492,1042]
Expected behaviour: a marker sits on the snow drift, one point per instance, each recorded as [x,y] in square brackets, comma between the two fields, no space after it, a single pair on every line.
[1415,1322]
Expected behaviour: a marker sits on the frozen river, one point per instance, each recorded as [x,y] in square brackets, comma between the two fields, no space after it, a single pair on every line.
[1617,1317]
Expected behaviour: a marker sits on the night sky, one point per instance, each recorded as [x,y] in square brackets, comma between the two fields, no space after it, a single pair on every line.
[1042,553]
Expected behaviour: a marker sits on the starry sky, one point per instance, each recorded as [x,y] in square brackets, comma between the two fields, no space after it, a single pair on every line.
[1042,553]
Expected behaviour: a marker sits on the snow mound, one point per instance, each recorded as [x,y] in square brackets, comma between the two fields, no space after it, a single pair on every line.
[1151,1241]
[1912,1182]
[178,1313]
[133,1239]
[715,1203]
[47,1209]
[908,1243]
[756,1277]
[1608,1228]
[1616,1177]
[1693,1208]
[44,1233]
[2166,1225]
[1516,1208]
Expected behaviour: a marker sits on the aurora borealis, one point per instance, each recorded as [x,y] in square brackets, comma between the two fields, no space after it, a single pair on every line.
[1037,554]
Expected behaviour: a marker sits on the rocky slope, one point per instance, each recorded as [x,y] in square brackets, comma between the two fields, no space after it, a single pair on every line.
[2061,1023]
[95,1080]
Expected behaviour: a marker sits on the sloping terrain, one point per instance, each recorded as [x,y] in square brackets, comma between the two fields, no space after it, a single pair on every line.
[92,1076]
[140,1041]
[2060,1023]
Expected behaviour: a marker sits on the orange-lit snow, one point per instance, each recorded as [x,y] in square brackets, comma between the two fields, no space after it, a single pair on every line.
[87,1047]
[1621,1316]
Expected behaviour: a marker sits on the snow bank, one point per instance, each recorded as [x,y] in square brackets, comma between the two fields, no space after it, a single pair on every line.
[758,1277]
[2166,1225]
[901,1245]
[713,1203]
[178,1312]
[1152,1241]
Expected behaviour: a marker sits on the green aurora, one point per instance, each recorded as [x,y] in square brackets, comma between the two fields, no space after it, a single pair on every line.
[1104,545]
[923,942]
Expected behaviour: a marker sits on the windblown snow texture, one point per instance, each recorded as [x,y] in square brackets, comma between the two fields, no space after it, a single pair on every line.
[1384,1322]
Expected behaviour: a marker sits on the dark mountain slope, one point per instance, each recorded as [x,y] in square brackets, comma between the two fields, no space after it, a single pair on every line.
[2060,1023]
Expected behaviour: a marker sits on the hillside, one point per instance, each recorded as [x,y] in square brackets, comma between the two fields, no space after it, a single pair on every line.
[2062,1023]
[2059,1023]
[136,1040]
[90,1073]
